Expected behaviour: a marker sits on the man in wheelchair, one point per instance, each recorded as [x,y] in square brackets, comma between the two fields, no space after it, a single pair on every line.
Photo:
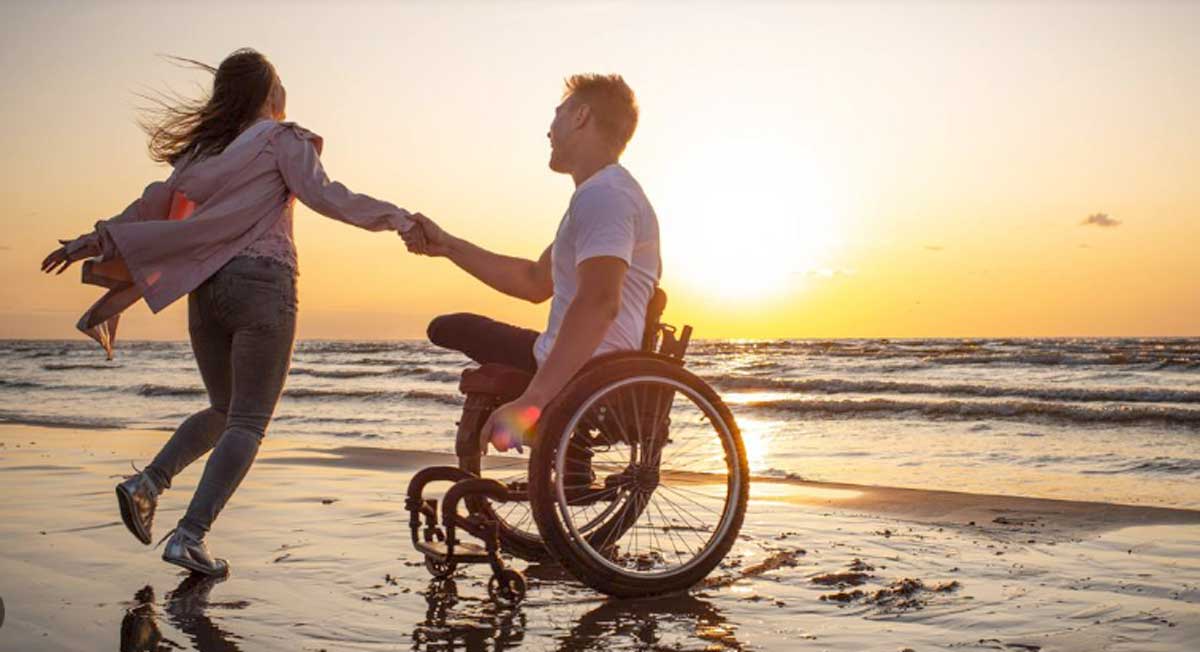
[600,272]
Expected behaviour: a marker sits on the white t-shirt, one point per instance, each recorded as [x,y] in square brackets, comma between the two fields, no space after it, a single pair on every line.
[609,215]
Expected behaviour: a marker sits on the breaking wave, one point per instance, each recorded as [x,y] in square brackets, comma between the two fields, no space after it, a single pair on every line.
[842,386]
[54,421]
[1021,410]
[373,395]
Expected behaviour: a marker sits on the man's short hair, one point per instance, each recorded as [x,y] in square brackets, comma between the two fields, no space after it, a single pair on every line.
[612,104]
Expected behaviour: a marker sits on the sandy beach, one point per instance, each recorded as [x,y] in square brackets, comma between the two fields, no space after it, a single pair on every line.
[321,561]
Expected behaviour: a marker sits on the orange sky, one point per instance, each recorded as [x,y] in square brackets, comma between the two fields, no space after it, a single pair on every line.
[888,170]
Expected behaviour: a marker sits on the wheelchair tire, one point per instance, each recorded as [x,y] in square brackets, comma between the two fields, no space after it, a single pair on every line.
[625,556]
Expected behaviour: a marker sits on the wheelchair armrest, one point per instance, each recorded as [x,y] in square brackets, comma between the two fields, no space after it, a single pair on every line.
[486,388]
[502,381]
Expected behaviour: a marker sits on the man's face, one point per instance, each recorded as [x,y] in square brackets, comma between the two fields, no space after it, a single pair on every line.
[560,132]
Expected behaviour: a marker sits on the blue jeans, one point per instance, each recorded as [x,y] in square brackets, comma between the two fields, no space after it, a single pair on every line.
[242,322]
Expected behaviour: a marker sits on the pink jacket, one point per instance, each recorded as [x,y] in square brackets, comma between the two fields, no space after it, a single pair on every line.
[182,230]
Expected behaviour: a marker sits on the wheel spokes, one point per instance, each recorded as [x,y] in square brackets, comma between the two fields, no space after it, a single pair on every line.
[669,442]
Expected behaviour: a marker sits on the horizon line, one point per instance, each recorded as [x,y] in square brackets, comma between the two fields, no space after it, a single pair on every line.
[694,339]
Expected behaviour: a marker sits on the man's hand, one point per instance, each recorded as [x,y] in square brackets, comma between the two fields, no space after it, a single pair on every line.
[508,424]
[426,237]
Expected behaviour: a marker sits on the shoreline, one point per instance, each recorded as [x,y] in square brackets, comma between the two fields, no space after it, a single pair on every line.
[922,505]
[1049,517]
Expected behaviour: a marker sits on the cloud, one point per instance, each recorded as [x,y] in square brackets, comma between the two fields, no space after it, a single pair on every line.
[934,247]
[1099,219]
[5,248]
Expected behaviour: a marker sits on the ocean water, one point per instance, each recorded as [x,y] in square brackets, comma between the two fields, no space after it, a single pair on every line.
[1087,419]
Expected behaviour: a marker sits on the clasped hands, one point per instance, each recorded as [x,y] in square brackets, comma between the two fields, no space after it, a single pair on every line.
[425,237]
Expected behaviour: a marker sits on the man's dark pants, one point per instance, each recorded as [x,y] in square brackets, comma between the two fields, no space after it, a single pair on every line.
[485,340]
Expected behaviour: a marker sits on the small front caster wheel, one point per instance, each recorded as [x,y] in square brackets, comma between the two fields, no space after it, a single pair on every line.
[508,587]
[439,568]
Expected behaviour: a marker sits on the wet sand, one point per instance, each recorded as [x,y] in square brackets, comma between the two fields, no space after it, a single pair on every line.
[321,560]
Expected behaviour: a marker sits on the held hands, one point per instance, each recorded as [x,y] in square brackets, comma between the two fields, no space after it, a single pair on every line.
[426,237]
[71,250]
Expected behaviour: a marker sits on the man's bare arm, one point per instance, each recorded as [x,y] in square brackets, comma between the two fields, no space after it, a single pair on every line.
[517,277]
[584,325]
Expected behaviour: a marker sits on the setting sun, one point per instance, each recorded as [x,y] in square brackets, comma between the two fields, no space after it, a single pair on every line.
[746,220]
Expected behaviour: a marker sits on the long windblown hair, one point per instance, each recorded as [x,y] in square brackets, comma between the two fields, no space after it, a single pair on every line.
[180,127]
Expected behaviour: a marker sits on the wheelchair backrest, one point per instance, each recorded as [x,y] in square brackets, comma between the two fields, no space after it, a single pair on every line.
[660,336]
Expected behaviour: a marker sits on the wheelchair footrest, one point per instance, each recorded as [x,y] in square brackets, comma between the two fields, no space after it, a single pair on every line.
[466,552]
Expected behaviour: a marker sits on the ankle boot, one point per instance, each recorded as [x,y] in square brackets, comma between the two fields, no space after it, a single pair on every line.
[137,496]
[188,550]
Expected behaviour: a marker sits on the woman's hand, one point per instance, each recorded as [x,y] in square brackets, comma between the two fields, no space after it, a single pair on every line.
[71,250]
[58,259]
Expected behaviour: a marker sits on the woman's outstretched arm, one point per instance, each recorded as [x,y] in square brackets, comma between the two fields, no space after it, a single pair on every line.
[154,203]
[305,177]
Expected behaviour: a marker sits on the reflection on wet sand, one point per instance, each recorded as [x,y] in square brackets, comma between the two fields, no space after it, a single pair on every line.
[464,623]
[656,623]
[186,609]
[452,623]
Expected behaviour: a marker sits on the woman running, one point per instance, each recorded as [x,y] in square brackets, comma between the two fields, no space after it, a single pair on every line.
[219,230]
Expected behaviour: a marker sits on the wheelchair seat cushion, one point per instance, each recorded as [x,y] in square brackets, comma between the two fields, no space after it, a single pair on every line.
[505,382]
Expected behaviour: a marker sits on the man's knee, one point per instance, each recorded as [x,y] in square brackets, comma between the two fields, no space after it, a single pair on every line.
[445,330]
[436,328]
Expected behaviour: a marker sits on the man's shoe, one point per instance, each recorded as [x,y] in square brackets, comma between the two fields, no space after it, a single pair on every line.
[624,477]
[577,473]
[137,497]
[189,551]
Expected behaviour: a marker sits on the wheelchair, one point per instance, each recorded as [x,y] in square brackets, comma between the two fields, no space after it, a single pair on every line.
[636,481]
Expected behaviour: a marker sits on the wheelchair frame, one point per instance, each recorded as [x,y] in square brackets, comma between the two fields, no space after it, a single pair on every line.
[436,529]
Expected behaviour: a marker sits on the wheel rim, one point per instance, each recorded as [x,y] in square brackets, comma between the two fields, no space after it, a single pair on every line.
[684,454]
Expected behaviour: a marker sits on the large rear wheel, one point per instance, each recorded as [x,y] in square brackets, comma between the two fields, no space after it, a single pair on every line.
[675,478]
